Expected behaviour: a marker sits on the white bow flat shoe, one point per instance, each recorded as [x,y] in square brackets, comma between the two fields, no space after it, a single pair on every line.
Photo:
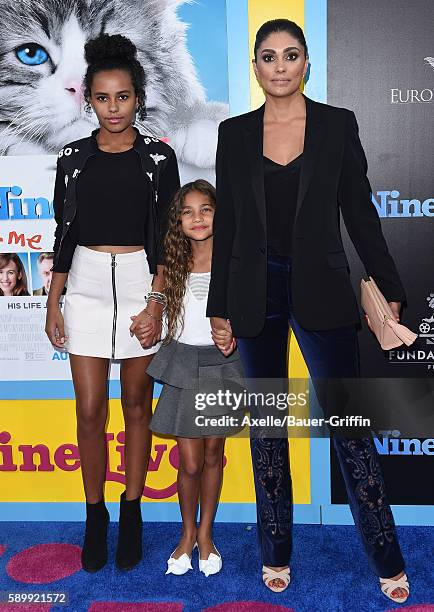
[179,566]
[212,565]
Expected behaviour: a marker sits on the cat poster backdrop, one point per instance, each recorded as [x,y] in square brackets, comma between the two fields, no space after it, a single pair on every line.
[183,49]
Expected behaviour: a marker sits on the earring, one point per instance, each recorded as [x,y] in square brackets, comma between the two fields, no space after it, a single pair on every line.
[88,108]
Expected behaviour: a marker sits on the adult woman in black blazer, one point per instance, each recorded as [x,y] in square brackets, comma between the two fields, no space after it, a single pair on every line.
[283,172]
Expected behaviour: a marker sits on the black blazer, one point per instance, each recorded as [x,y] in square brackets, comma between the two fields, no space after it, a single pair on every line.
[333,176]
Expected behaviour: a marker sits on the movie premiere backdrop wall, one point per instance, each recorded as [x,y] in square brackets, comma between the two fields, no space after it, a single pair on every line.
[380,64]
[197,60]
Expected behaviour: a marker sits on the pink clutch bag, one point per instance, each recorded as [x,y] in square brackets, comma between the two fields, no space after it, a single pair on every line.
[389,333]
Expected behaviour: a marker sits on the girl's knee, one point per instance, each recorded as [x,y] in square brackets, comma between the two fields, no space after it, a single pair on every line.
[91,415]
[191,467]
[213,453]
[135,408]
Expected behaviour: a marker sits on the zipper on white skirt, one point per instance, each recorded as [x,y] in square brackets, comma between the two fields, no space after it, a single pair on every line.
[115,305]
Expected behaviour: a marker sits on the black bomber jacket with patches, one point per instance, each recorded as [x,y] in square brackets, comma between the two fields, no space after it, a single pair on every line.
[160,169]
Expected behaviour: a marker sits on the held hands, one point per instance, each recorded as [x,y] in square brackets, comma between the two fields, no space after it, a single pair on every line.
[395,308]
[147,325]
[221,332]
[54,327]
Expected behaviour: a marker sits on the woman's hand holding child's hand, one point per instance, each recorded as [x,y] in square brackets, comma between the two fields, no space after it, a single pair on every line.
[146,326]
[221,332]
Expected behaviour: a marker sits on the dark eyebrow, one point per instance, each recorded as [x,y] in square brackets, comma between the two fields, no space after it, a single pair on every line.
[202,204]
[284,51]
[103,93]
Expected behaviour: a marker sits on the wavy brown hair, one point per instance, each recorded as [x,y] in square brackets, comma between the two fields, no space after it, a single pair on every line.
[179,256]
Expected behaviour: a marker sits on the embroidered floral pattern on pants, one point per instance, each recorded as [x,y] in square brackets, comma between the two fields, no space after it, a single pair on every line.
[273,484]
[363,475]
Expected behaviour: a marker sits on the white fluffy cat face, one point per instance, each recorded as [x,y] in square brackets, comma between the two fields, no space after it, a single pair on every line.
[42,65]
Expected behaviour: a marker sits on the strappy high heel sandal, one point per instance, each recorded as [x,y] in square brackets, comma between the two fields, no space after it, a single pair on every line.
[388,586]
[181,565]
[269,574]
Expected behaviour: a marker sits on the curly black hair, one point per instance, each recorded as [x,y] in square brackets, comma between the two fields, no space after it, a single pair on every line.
[114,51]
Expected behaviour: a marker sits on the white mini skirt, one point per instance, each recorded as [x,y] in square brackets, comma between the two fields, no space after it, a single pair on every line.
[104,291]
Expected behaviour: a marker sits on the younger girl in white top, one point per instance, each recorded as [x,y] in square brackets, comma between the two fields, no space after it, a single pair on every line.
[188,357]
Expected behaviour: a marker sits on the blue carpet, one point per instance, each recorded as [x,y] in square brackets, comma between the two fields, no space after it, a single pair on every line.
[329,570]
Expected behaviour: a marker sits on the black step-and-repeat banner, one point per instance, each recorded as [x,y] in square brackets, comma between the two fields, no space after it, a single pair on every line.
[381,65]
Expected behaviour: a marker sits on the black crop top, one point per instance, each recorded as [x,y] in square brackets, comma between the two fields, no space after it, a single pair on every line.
[281,190]
[113,200]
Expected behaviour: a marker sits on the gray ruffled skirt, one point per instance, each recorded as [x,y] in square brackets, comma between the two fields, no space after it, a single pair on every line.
[197,399]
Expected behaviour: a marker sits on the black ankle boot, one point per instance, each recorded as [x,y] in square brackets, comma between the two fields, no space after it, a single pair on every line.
[129,551]
[94,551]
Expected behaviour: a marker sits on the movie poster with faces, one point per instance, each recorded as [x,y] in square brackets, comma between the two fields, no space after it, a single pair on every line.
[41,110]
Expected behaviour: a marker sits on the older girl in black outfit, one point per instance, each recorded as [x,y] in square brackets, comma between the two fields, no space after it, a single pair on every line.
[111,198]
[283,172]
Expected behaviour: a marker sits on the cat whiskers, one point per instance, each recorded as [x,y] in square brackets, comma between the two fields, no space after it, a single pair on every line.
[25,126]
[12,129]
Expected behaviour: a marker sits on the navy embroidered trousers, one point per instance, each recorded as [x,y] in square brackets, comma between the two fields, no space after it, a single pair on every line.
[331,353]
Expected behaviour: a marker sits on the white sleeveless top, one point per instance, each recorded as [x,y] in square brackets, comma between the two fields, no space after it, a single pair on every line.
[197,327]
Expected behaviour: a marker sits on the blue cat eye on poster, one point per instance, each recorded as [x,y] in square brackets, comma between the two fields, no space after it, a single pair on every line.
[32,54]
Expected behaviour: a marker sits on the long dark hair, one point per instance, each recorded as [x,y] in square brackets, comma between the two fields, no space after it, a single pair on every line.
[114,51]
[179,257]
[280,25]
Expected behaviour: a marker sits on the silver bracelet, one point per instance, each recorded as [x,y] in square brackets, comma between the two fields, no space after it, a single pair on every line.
[156,296]
[152,316]
[158,302]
